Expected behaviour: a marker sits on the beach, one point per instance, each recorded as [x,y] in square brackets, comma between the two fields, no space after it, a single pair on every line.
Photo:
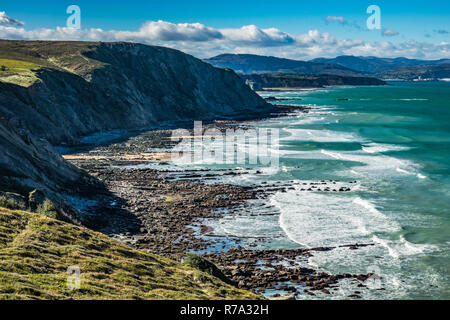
[154,207]
[332,220]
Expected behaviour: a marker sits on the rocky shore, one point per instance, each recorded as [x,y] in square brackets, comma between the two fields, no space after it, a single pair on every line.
[144,203]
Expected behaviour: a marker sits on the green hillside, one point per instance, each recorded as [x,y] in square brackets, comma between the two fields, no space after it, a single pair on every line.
[35,252]
[18,72]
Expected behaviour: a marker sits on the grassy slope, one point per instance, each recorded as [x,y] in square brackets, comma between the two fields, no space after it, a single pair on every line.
[35,252]
[18,72]
[23,58]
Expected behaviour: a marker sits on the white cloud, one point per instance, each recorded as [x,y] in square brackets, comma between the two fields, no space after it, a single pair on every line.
[254,36]
[314,37]
[166,31]
[203,41]
[389,33]
[8,21]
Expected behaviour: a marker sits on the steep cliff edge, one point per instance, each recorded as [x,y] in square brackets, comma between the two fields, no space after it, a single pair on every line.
[34,160]
[55,92]
[83,88]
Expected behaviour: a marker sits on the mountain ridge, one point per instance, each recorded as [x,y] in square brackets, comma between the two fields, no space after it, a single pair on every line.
[350,66]
[374,65]
[129,85]
[36,251]
[408,73]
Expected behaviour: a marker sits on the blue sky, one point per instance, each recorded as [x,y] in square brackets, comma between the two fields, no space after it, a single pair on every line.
[425,23]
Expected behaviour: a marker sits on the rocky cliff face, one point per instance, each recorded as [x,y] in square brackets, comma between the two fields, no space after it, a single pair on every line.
[78,88]
[28,163]
[90,87]
[29,158]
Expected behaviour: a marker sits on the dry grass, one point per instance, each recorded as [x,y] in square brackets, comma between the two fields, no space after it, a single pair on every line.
[35,252]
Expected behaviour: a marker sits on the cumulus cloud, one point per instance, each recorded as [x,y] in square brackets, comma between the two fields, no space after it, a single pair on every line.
[314,37]
[166,31]
[8,21]
[389,33]
[203,41]
[254,36]
[337,19]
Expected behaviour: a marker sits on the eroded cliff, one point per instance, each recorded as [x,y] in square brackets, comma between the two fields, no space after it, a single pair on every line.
[57,92]
[88,87]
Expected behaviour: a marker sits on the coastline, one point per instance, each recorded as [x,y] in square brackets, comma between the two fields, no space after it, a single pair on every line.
[154,208]
[292,89]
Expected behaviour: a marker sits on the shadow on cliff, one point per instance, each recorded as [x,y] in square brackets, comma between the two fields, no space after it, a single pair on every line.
[99,207]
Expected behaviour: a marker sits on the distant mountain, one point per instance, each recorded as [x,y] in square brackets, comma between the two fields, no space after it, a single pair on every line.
[374,65]
[434,72]
[249,63]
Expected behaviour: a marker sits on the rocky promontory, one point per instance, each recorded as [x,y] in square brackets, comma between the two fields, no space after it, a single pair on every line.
[294,81]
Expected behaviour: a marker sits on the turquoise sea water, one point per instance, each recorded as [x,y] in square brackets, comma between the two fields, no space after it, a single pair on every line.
[395,142]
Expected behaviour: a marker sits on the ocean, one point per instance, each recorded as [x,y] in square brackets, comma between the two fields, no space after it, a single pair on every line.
[395,142]
[392,143]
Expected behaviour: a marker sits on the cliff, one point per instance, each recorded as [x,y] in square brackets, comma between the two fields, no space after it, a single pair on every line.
[57,92]
[83,88]
[30,160]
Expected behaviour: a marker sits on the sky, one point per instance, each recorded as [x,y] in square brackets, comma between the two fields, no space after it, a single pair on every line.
[293,29]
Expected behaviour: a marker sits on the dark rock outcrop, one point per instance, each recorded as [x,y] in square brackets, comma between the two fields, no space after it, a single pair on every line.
[202,264]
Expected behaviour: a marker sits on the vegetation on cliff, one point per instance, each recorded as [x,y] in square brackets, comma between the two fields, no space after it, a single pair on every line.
[36,251]
[434,72]
[18,72]
[57,92]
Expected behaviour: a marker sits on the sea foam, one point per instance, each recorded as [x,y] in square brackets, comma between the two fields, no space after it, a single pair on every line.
[318,219]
